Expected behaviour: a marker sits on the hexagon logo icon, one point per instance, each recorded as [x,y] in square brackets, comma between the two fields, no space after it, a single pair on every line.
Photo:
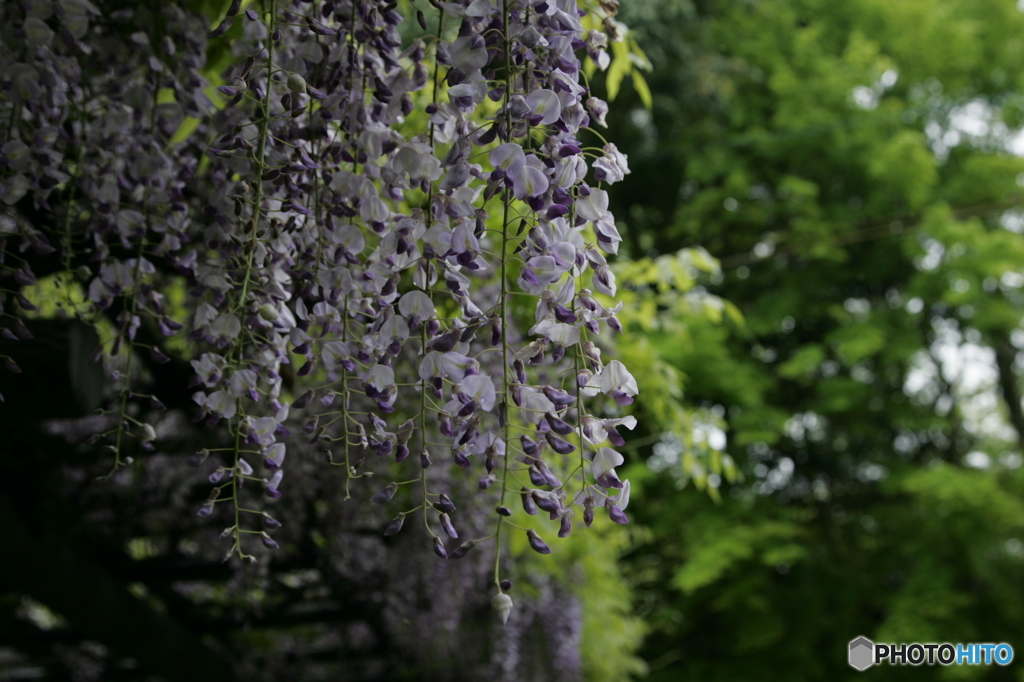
[862,653]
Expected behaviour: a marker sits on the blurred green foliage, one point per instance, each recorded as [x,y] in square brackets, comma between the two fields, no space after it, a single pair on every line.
[846,375]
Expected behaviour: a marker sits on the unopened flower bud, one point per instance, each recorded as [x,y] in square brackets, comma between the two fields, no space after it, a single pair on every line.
[549,476]
[462,550]
[617,515]
[446,524]
[528,505]
[405,431]
[445,504]
[384,496]
[502,604]
[304,399]
[536,543]
[148,434]
[559,445]
[530,447]
[268,312]
[197,459]
[557,353]
[439,549]
[296,83]
[520,369]
[395,525]
[401,452]
[268,541]
[529,37]
[496,332]
[559,426]
[558,396]
[546,501]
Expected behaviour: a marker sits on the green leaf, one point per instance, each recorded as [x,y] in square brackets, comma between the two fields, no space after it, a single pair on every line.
[637,55]
[616,72]
[640,85]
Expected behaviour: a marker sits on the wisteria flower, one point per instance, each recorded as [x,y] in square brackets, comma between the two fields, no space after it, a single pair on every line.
[558,332]
[273,456]
[529,180]
[603,469]
[507,157]
[545,107]
[221,403]
[380,384]
[598,108]
[614,380]
[616,503]
[209,368]
[597,431]
[243,382]
[480,389]
[310,222]
[593,206]
[612,167]
[416,306]
[535,405]
[226,327]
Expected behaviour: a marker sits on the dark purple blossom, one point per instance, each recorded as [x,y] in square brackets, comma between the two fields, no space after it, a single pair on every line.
[536,544]
[444,504]
[446,524]
[385,495]
[395,525]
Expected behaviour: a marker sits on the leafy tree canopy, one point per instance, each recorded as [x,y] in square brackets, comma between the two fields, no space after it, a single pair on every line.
[851,166]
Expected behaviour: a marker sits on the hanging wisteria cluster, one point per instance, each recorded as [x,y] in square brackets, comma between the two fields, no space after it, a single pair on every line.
[392,250]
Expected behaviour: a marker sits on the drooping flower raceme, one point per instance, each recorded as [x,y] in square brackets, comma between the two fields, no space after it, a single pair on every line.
[354,224]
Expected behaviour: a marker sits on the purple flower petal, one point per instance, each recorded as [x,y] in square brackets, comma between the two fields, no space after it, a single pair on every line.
[536,543]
